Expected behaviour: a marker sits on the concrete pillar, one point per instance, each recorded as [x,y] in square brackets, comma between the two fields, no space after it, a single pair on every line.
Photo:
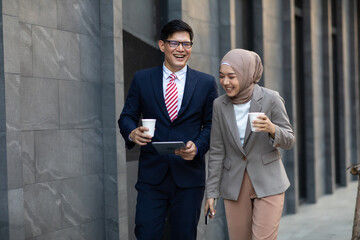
[308,100]
[115,174]
[339,66]
[257,30]
[317,81]
[357,74]
[347,88]
[4,208]
[205,24]
[289,95]
[351,89]
[119,103]
[225,27]
[328,114]
[175,9]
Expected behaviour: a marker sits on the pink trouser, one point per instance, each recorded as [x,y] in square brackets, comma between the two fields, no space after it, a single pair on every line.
[252,218]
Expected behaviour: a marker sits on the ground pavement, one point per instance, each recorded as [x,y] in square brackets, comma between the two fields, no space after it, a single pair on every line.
[331,218]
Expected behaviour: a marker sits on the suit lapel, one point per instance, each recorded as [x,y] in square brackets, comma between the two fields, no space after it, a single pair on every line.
[157,85]
[191,80]
[230,118]
[255,106]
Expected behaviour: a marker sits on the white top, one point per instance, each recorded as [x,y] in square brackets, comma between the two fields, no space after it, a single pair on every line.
[241,115]
[179,81]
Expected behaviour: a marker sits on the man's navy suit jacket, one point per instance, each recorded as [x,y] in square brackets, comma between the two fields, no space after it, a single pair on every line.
[146,98]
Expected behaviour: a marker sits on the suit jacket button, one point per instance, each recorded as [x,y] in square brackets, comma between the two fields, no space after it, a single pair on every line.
[244,158]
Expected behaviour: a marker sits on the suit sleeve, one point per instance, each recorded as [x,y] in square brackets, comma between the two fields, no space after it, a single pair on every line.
[284,135]
[130,115]
[202,141]
[216,157]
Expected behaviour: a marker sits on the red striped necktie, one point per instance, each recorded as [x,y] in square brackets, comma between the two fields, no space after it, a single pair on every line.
[171,97]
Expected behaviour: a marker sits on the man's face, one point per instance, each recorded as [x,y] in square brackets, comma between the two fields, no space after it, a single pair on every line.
[176,57]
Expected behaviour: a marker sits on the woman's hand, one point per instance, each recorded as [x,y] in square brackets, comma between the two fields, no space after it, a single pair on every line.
[210,202]
[263,124]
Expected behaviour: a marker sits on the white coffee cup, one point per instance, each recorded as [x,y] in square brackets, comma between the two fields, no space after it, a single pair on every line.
[253,116]
[150,124]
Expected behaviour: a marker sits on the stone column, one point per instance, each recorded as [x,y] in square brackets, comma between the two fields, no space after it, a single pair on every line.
[351,86]
[347,50]
[357,72]
[115,183]
[319,162]
[289,95]
[328,89]
[4,209]
[340,69]
[61,65]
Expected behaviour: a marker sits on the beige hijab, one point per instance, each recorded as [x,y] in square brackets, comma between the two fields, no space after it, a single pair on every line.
[248,69]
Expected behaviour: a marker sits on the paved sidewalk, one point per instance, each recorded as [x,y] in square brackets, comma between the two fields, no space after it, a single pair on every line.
[331,218]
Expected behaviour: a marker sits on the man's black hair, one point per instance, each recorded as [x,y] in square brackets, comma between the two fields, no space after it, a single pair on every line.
[175,26]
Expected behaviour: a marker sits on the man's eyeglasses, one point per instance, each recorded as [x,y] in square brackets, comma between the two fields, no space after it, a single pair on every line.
[175,44]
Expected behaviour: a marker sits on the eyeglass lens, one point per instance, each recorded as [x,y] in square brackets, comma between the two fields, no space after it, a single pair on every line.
[175,44]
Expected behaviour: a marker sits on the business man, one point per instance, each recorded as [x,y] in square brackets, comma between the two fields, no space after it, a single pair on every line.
[180,99]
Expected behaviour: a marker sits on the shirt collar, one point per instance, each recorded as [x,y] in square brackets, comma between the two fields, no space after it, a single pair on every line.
[179,74]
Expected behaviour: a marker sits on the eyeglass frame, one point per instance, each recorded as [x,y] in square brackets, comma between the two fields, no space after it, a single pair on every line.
[178,44]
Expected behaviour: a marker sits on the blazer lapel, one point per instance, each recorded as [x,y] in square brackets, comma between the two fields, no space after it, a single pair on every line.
[157,85]
[255,106]
[229,114]
[191,80]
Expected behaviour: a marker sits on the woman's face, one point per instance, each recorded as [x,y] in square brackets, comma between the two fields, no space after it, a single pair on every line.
[228,80]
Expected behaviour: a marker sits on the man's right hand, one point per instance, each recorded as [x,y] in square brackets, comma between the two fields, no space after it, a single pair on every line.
[139,137]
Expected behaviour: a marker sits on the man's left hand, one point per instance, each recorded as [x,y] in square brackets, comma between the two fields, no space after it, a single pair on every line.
[187,153]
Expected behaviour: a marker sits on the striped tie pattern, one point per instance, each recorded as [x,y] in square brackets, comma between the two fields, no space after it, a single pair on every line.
[171,97]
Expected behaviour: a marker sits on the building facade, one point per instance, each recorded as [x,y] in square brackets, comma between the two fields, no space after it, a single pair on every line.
[65,69]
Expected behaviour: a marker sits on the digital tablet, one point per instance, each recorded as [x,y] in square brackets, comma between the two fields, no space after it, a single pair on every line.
[168,147]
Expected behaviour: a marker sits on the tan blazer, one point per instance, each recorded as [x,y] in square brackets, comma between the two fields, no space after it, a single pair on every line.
[259,155]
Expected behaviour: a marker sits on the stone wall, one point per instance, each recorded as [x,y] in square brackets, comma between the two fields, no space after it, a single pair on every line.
[60,79]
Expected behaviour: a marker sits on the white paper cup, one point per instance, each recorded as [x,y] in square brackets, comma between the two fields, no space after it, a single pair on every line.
[150,124]
[253,116]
